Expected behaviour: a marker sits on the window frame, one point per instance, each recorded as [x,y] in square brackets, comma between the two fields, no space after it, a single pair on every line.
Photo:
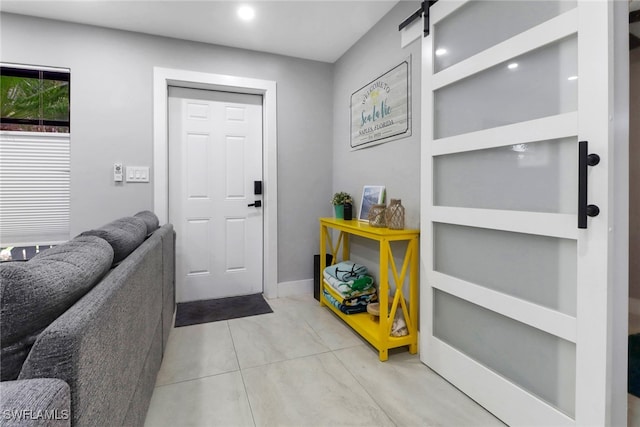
[40,73]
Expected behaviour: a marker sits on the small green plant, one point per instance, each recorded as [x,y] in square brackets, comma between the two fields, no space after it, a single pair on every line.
[341,198]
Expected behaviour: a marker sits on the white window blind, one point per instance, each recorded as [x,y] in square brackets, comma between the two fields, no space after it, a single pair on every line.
[34,188]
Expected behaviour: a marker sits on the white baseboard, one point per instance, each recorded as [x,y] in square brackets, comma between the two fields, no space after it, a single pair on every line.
[634,306]
[296,287]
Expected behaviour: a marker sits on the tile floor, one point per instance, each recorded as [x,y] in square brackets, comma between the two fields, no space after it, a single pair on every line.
[298,366]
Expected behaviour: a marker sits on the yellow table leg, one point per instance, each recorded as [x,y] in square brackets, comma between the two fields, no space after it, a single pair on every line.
[383,290]
[323,259]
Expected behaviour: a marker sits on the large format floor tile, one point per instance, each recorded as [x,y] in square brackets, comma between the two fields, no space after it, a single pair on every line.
[220,400]
[333,332]
[197,351]
[273,337]
[310,391]
[301,366]
[412,394]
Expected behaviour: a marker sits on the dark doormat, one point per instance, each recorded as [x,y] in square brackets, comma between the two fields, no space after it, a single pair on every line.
[633,382]
[214,310]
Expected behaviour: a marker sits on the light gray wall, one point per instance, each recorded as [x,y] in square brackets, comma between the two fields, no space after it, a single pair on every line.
[395,164]
[111,120]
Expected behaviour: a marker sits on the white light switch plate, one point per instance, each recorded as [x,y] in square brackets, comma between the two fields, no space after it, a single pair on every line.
[137,174]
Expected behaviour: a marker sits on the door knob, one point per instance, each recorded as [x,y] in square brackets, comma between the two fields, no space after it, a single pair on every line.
[257,203]
[593,210]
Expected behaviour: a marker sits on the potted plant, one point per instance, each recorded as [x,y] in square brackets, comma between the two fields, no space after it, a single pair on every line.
[339,201]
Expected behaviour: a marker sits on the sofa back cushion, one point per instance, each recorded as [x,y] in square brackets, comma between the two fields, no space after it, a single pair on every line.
[34,293]
[124,235]
[150,219]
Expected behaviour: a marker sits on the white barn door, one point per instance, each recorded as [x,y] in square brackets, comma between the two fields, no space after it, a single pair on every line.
[515,290]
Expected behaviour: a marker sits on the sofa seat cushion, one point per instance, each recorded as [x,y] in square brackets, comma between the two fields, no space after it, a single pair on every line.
[150,219]
[34,293]
[124,235]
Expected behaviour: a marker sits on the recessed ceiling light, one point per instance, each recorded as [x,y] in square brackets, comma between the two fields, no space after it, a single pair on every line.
[512,66]
[441,51]
[246,13]
[573,78]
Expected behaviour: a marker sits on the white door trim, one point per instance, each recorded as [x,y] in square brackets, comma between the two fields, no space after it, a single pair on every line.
[165,77]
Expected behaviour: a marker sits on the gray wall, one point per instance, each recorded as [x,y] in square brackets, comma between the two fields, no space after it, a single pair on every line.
[111,120]
[395,164]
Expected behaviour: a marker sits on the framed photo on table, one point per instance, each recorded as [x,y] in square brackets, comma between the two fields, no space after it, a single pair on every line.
[371,195]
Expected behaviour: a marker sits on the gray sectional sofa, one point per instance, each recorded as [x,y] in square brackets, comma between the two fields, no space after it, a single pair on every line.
[84,325]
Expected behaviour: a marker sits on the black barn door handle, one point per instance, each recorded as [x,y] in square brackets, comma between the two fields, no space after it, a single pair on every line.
[584,161]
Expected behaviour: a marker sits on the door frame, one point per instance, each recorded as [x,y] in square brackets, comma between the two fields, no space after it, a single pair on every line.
[165,77]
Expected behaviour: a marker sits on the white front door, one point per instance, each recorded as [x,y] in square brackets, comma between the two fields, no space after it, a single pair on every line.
[215,157]
[516,293]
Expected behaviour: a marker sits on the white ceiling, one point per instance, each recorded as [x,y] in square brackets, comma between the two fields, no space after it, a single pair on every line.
[318,30]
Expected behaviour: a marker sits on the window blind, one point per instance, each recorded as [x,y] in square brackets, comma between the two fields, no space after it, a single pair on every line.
[34,188]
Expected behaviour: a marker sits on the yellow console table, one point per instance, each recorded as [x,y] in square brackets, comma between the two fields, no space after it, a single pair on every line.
[377,332]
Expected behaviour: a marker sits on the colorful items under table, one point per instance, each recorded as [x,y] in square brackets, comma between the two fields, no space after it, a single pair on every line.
[353,288]
[351,305]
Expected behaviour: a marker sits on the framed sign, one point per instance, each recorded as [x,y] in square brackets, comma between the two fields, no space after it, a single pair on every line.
[381,110]
[371,195]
